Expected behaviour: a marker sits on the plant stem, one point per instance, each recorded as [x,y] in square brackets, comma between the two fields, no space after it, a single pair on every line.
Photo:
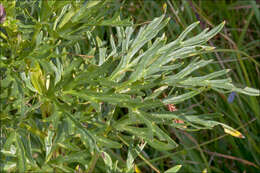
[93,162]
[140,155]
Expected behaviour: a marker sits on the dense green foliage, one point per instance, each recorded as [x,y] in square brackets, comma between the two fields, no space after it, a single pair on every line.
[237,48]
[84,90]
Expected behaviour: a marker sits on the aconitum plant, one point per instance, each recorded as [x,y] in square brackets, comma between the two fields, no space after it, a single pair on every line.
[71,101]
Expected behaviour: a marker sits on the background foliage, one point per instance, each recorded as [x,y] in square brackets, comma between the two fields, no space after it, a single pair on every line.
[83,89]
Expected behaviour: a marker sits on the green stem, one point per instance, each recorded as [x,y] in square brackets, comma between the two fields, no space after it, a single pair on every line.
[93,162]
[141,156]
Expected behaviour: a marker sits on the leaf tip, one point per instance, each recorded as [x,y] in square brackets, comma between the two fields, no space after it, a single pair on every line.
[234,133]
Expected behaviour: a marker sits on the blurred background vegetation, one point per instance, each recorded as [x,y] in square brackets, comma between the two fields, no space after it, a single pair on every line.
[237,48]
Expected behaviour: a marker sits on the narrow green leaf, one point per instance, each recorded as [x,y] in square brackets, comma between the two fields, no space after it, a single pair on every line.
[194,81]
[45,11]
[248,91]
[20,154]
[107,159]
[145,59]
[26,142]
[58,19]
[27,82]
[183,97]
[174,169]
[256,10]
[215,30]
[11,138]
[133,152]
[187,30]
[81,13]
[67,17]
[146,34]
[48,145]
[39,38]
[90,138]
[106,142]
[156,92]
[187,70]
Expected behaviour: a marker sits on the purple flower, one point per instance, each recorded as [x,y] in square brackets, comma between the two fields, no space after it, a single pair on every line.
[2,14]
[231,97]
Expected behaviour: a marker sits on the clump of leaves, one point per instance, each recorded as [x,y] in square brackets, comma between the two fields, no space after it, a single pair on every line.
[70,99]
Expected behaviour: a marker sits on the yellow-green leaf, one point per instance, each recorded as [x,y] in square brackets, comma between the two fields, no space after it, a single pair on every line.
[234,133]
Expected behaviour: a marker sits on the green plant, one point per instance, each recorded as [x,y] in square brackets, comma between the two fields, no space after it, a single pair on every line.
[236,49]
[73,98]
